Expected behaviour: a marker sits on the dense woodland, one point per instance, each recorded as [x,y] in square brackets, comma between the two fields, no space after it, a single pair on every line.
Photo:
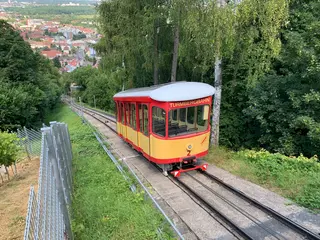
[29,83]
[270,66]
[270,63]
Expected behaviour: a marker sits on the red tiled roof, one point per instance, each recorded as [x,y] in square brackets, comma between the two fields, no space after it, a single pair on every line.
[51,53]
[73,63]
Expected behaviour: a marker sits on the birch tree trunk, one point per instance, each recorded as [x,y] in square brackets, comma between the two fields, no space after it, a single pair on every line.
[156,54]
[175,53]
[217,96]
[217,103]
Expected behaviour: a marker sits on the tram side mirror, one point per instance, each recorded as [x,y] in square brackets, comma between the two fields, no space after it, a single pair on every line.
[205,112]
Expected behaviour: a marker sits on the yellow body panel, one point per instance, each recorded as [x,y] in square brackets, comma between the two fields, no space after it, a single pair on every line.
[121,129]
[118,127]
[132,135]
[144,143]
[168,149]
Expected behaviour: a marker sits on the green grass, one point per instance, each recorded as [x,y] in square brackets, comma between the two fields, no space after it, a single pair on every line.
[296,178]
[103,206]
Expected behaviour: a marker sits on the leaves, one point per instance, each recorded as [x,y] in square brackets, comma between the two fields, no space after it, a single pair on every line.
[28,81]
[8,148]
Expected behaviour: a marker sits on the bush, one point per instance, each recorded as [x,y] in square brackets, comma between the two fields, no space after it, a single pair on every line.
[8,148]
[297,177]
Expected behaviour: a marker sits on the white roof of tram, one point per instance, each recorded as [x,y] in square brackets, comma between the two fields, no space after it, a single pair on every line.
[171,92]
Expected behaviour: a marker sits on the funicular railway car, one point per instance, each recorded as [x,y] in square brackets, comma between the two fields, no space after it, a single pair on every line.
[168,124]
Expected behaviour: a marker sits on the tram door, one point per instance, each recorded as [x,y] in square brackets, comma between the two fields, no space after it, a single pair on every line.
[143,135]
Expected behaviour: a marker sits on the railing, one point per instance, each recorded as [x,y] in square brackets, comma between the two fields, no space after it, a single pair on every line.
[48,215]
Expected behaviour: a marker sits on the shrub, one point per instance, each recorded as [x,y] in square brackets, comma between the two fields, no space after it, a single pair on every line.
[8,148]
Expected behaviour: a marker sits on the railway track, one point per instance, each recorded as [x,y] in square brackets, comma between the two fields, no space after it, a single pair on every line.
[242,216]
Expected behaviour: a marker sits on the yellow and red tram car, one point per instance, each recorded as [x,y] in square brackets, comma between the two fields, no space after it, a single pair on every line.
[168,124]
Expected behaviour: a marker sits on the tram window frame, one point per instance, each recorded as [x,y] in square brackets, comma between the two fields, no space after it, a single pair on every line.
[145,117]
[188,127]
[157,115]
[133,116]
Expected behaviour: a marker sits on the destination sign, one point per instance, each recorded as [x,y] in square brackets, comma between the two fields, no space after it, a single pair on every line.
[188,103]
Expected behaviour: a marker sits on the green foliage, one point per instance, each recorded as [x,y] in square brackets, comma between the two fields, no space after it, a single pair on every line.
[95,84]
[8,148]
[103,205]
[297,178]
[28,81]
[286,172]
[56,62]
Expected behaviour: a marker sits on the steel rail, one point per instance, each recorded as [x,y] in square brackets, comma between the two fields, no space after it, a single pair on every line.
[286,221]
[238,209]
[96,112]
[228,221]
[103,122]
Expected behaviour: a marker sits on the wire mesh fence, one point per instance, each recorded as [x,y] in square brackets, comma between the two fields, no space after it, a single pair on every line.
[48,215]
[30,140]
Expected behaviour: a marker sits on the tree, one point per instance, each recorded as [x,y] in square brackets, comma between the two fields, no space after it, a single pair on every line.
[284,105]
[28,81]
[56,62]
[217,32]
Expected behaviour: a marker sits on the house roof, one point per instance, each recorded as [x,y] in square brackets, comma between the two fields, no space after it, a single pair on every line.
[51,53]
[171,92]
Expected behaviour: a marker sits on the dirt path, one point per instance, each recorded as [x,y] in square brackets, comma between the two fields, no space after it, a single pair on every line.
[14,195]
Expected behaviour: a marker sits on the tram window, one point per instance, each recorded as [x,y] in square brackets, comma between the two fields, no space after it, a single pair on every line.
[127,108]
[174,115]
[145,120]
[122,113]
[183,114]
[159,121]
[192,120]
[202,117]
[133,116]
[190,115]
[140,118]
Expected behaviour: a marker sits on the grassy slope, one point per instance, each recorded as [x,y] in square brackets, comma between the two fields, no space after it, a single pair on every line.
[103,205]
[294,178]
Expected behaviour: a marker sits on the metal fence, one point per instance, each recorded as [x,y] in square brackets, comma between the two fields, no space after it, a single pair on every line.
[30,140]
[48,215]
